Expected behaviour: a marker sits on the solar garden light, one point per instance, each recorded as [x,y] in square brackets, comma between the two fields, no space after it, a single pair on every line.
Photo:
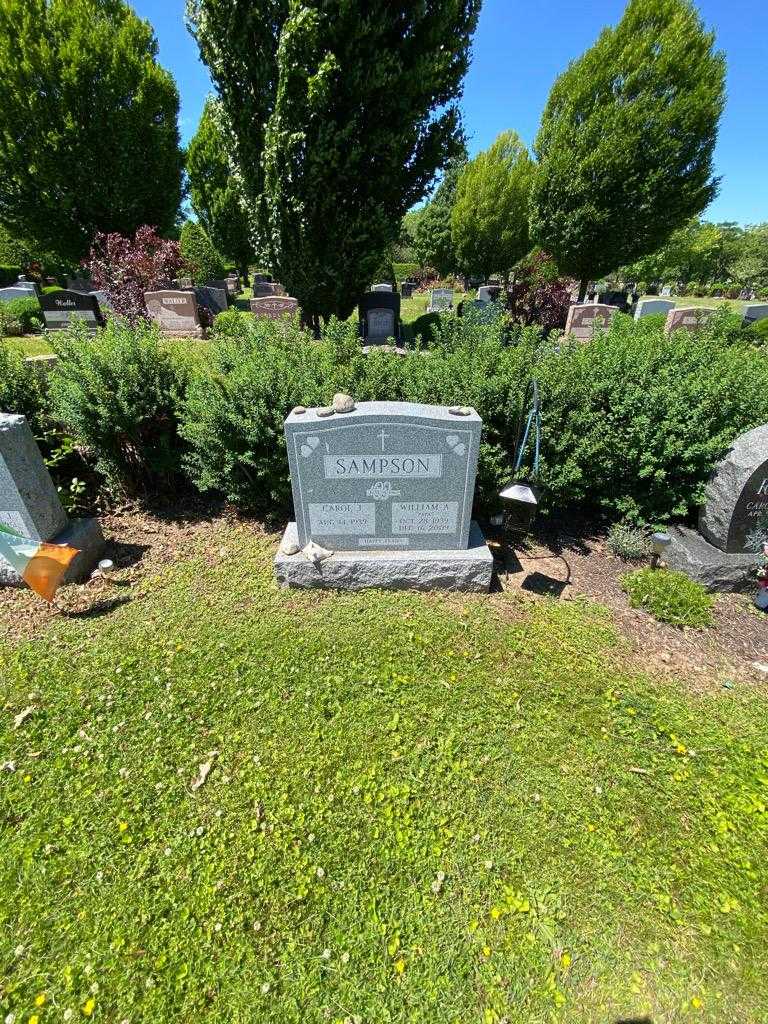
[659,544]
[520,496]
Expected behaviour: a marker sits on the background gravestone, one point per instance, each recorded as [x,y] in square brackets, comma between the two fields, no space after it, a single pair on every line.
[585,318]
[489,292]
[440,300]
[261,278]
[407,288]
[30,505]
[687,318]
[213,299]
[653,307]
[734,516]
[379,314]
[381,288]
[14,292]
[753,313]
[79,284]
[274,306]
[263,289]
[733,521]
[60,309]
[175,312]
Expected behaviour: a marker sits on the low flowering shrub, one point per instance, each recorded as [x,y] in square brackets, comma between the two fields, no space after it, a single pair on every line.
[125,268]
[628,542]
[669,596]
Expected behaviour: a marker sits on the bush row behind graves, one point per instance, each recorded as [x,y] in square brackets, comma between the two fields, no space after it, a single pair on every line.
[633,422]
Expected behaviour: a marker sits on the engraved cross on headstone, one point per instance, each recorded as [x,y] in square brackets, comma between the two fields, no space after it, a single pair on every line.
[383,437]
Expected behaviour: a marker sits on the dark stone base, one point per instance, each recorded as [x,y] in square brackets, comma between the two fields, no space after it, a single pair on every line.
[708,565]
[83,534]
[469,569]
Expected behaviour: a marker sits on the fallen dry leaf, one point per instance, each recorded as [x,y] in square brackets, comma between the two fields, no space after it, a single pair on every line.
[203,770]
[22,716]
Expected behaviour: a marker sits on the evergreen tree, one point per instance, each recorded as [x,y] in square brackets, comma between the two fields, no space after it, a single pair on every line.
[432,236]
[343,111]
[489,223]
[200,254]
[626,140]
[88,134]
[216,188]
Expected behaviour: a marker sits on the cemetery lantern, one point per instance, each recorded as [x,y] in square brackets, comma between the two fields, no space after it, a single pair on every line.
[659,544]
[520,496]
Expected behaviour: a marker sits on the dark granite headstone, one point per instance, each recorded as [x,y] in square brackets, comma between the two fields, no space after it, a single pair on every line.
[213,299]
[14,292]
[262,289]
[219,285]
[388,475]
[261,278]
[407,288]
[60,309]
[734,516]
[379,317]
[175,312]
[79,284]
[753,313]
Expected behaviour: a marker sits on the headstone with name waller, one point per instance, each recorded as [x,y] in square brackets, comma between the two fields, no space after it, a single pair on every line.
[175,312]
[30,505]
[388,488]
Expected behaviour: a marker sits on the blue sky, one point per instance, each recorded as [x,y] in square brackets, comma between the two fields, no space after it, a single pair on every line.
[522,45]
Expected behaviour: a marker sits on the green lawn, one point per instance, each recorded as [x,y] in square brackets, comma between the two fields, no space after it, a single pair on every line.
[423,808]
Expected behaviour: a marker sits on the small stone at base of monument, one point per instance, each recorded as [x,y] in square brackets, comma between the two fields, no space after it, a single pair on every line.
[717,570]
[464,569]
[687,318]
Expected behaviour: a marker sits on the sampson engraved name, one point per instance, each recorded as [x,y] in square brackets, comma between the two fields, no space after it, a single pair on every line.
[382,467]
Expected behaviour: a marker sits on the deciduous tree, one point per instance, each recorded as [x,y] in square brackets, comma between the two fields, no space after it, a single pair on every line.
[216,188]
[626,140]
[343,111]
[489,223]
[88,124]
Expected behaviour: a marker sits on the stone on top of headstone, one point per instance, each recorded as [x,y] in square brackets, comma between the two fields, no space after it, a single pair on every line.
[734,516]
[387,488]
[753,313]
[379,314]
[688,318]
[384,287]
[585,318]
[653,307]
[63,308]
[30,504]
[440,300]
[214,299]
[274,306]
[175,312]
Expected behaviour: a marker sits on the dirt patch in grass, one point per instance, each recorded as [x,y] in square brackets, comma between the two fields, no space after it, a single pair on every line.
[555,564]
[142,541]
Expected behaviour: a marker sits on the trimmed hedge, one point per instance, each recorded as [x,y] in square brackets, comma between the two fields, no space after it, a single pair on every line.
[632,422]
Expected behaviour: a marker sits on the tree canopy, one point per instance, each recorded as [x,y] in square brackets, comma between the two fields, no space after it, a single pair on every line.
[626,140]
[343,111]
[200,254]
[88,124]
[432,232]
[216,189]
[489,223]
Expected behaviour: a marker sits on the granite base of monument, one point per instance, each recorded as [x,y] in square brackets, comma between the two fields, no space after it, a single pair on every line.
[717,570]
[463,569]
[83,534]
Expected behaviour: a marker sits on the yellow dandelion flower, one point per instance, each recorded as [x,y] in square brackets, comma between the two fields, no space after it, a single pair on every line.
[495,913]
[399,966]
[40,999]
[88,1007]
[486,950]
[696,1003]
[123,825]
[34,1019]
[566,960]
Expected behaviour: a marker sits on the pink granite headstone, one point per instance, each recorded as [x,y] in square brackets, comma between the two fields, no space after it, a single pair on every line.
[687,318]
[274,306]
[585,318]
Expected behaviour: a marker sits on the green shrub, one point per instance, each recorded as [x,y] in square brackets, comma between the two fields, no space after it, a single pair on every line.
[9,275]
[628,542]
[642,288]
[405,271]
[693,288]
[669,596]
[20,387]
[200,255]
[117,393]
[25,312]
[759,331]
[260,369]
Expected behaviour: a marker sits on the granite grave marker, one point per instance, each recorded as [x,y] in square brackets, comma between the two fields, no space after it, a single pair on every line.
[60,309]
[274,306]
[585,318]
[175,312]
[653,307]
[687,318]
[753,313]
[440,300]
[379,317]
[213,299]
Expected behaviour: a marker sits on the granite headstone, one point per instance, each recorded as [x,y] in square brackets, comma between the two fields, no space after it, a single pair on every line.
[440,300]
[585,318]
[379,317]
[653,307]
[381,287]
[386,475]
[175,312]
[687,318]
[63,308]
[734,516]
[213,299]
[274,306]
[14,292]
[753,313]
